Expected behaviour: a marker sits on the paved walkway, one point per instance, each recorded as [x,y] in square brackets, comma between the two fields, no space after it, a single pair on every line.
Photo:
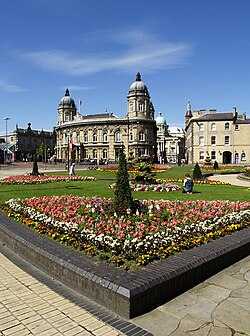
[220,306]
[29,307]
[232,179]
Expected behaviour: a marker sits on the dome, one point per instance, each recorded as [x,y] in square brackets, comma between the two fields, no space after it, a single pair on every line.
[67,100]
[160,120]
[138,85]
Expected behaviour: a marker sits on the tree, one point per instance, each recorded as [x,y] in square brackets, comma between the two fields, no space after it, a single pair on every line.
[35,167]
[197,175]
[123,199]
[216,166]
[208,161]
[144,173]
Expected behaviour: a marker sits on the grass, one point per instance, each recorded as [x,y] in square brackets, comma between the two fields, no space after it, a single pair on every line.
[101,188]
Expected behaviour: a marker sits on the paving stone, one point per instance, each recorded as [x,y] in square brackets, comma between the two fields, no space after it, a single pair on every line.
[190,323]
[234,316]
[214,293]
[218,331]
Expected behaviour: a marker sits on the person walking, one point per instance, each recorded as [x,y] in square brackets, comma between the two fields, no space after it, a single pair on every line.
[72,169]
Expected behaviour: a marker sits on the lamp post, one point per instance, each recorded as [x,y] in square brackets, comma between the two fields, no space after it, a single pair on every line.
[6,147]
[68,147]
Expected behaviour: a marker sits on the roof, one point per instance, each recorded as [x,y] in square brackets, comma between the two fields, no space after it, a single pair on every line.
[100,116]
[242,121]
[216,116]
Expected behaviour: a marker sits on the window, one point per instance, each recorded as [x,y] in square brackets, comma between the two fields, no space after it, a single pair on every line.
[141,107]
[226,140]
[141,136]
[105,137]
[118,136]
[131,136]
[213,155]
[105,154]
[85,138]
[94,154]
[226,126]
[201,141]
[201,127]
[201,155]
[236,127]
[213,127]
[213,140]
[85,153]
[243,156]
[94,137]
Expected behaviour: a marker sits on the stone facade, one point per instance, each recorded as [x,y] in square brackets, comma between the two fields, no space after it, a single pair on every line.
[25,142]
[222,136]
[170,142]
[100,137]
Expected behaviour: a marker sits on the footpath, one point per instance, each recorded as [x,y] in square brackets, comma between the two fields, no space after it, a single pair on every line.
[31,303]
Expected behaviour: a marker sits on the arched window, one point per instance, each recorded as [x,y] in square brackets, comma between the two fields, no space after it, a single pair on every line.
[117,136]
[201,127]
[141,136]
[131,137]
[213,127]
[94,137]
[226,126]
[105,154]
[85,138]
[105,137]
[227,140]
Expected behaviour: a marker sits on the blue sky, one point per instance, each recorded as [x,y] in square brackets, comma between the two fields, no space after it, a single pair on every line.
[197,50]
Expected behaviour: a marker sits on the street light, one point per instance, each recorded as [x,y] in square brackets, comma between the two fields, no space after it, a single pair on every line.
[6,147]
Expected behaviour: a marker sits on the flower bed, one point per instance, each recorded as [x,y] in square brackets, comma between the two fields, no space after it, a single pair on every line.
[158,229]
[40,179]
[203,181]
[151,187]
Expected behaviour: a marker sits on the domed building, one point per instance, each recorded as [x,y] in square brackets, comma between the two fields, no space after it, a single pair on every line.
[170,142]
[99,137]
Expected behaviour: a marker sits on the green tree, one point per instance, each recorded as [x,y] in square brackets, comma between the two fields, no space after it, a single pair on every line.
[208,161]
[40,150]
[35,167]
[197,175]
[144,172]
[123,199]
[216,166]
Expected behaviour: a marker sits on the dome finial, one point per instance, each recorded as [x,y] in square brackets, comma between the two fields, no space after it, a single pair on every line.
[138,77]
[67,93]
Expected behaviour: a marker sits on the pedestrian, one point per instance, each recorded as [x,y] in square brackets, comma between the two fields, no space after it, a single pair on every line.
[187,184]
[72,169]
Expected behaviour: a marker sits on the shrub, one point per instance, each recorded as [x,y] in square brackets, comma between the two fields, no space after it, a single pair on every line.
[197,175]
[216,166]
[35,167]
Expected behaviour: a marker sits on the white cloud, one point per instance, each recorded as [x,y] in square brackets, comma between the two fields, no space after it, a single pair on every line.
[7,87]
[138,52]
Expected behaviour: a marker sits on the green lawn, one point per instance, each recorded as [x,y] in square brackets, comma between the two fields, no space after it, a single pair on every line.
[100,188]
